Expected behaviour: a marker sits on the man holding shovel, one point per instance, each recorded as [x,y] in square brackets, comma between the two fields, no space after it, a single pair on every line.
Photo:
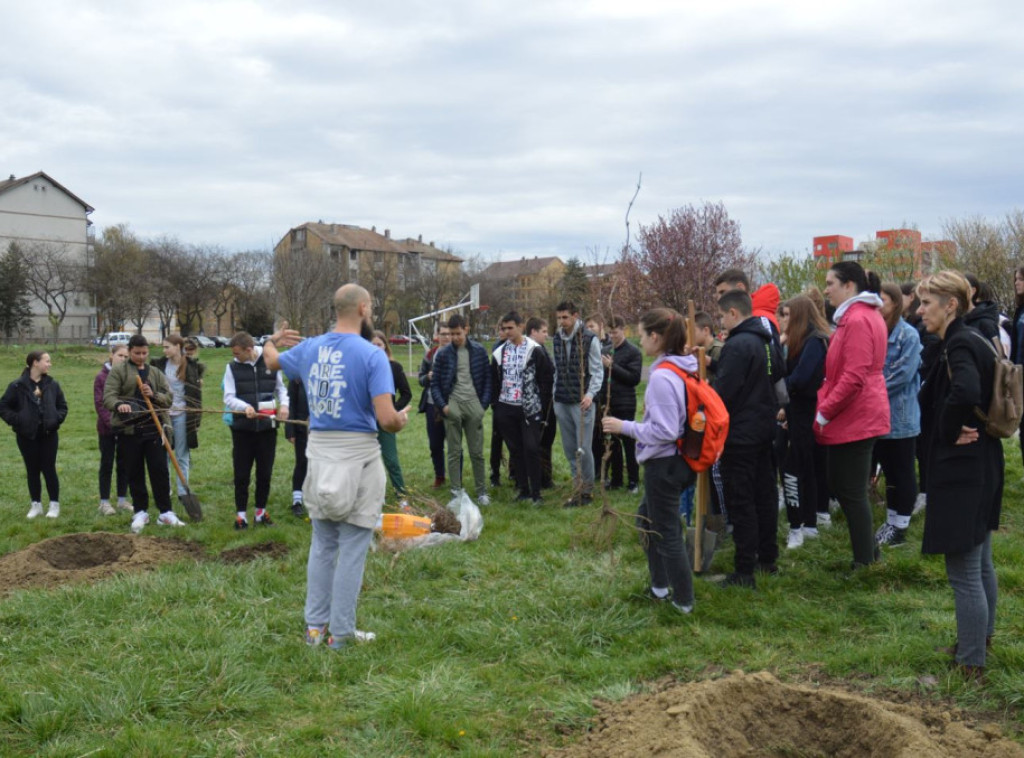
[128,387]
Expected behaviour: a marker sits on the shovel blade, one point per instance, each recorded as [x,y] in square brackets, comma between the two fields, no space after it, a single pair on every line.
[192,507]
[707,547]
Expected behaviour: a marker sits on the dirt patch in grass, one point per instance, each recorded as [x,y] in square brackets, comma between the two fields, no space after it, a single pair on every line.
[748,715]
[89,557]
[248,553]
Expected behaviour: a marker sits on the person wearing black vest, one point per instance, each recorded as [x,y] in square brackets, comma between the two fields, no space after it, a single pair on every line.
[258,397]
[578,378]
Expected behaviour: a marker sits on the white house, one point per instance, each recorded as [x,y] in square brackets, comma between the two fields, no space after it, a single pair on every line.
[40,214]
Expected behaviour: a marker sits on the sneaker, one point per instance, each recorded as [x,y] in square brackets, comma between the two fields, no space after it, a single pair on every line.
[684,609]
[484,500]
[169,519]
[920,504]
[124,505]
[54,510]
[337,643]
[883,533]
[796,539]
[35,510]
[241,522]
[298,511]
[633,489]
[894,537]
[824,520]
[438,482]
[833,505]
[739,580]
[139,522]
[649,594]
[537,502]
[811,532]
[106,509]
[263,519]
[316,635]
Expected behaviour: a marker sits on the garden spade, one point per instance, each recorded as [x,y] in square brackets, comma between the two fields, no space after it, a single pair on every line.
[190,501]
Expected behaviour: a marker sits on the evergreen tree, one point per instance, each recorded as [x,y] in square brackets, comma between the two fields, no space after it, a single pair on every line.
[15,313]
[575,286]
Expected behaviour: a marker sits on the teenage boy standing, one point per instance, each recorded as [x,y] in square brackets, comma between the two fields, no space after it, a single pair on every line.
[537,330]
[625,365]
[461,388]
[743,380]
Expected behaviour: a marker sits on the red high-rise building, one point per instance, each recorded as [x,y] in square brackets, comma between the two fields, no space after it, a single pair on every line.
[829,249]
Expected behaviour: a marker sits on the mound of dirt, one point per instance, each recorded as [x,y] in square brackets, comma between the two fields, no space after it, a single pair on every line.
[74,558]
[89,557]
[748,715]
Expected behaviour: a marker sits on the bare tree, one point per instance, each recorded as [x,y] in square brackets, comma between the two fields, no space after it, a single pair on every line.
[984,248]
[303,285]
[119,278]
[197,279]
[53,277]
[252,273]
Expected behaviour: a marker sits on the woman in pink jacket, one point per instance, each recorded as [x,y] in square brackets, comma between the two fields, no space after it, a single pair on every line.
[853,405]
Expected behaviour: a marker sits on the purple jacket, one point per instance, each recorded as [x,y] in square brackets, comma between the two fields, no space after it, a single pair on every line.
[102,414]
[664,412]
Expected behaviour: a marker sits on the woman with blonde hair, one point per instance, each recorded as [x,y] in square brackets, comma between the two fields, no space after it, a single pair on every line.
[965,479]
[185,379]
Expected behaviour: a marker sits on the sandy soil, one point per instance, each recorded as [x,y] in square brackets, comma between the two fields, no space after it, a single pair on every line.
[748,715]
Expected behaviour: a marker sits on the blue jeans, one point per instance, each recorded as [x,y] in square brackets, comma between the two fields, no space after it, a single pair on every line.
[334,575]
[975,590]
[180,424]
[568,415]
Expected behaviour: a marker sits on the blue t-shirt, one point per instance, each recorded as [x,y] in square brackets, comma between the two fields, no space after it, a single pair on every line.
[342,373]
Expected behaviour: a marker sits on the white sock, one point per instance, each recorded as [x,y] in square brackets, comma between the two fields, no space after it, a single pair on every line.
[104,502]
[901,522]
[241,514]
[659,591]
[890,516]
[297,496]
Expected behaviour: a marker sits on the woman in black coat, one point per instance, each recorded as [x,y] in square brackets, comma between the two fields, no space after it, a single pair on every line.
[34,406]
[965,480]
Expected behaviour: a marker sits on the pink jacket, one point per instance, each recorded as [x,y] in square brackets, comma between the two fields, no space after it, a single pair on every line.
[853,398]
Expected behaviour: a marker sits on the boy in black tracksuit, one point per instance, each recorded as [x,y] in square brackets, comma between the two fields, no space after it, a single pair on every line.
[537,330]
[743,379]
[626,364]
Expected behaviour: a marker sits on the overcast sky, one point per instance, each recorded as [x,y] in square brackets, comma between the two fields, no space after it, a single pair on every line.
[511,129]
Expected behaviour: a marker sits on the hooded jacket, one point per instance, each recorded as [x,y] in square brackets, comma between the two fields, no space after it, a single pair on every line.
[627,370]
[852,400]
[765,302]
[664,419]
[985,318]
[532,400]
[743,381]
[26,414]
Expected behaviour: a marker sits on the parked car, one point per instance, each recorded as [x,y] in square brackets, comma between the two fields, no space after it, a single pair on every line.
[221,341]
[399,339]
[204,341]
[115,338]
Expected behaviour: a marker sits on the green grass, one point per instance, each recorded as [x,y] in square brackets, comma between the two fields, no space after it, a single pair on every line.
[484,649]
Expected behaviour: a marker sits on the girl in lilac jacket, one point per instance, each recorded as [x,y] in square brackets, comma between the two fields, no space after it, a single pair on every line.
[666,474]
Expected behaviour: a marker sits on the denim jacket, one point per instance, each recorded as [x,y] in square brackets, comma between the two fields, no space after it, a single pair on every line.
[903,381]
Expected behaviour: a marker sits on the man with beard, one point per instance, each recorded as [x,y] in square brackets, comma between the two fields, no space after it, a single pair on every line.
[349,388]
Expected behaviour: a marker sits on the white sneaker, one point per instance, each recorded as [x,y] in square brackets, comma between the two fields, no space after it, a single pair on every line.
[920,504]
[169,519]
[139,522]
[362,636]
[124,505]
[796,539]
[106,509]
[54,511]
[833,505]
[824,520]
[484,500]
[810,531]
[35,510]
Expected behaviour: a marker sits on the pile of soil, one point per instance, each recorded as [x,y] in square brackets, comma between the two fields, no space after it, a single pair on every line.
[78,558]
[748,715]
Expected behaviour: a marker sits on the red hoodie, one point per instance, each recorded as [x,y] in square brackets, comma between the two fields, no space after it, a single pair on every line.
[766,302]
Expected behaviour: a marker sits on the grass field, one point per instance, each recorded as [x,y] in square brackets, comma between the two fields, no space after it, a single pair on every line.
[484,649]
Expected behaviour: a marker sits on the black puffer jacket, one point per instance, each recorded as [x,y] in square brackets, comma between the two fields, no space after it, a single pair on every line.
[743,382]
[28,415]
[985,318]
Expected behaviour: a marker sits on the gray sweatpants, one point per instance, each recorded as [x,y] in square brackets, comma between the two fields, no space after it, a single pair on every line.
[334,575]
[568,415]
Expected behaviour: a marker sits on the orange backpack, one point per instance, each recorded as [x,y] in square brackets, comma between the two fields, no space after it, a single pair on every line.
[707,421]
